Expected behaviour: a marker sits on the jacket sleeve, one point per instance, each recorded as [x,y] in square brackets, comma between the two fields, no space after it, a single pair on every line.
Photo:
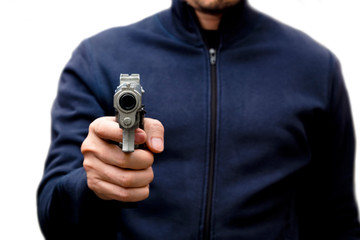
[66,206]
[328,208]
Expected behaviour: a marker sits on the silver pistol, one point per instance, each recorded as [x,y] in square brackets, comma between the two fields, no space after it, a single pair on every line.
[129,109]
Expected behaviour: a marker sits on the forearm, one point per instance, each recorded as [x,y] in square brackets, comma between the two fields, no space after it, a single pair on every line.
[66,206]
[330,207]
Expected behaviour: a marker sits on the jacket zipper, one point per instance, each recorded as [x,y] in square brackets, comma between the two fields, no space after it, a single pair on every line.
[213,118]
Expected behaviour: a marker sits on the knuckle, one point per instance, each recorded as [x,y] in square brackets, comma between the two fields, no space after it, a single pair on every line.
[125,196]
[88,149]
[107,174]
[88,165]
[92,184]
[98,126]
[154,125]
[86,146]
[156,122]
[93,125]
[157,126]
[126,180]
[134,196]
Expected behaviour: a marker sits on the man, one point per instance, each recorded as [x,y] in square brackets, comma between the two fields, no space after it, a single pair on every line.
[258,143]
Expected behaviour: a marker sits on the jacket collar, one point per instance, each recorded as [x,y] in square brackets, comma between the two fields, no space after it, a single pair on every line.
[181,23]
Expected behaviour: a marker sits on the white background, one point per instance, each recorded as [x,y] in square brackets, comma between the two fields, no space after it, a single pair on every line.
[36,40]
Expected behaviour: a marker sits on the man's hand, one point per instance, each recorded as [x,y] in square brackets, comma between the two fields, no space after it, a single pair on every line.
[113,174]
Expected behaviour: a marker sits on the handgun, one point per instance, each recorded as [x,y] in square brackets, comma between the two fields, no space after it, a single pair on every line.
[129,109]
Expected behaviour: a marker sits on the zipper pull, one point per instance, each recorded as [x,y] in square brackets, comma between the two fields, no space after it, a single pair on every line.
[212,53]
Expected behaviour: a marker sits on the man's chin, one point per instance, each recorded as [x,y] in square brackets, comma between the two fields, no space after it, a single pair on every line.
[212,6]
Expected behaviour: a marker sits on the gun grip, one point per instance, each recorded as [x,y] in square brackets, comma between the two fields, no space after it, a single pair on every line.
[128,140]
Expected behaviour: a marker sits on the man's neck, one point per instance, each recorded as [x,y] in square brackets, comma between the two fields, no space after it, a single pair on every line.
[208,21]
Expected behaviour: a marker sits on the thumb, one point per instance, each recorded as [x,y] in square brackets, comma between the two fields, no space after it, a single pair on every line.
[155,135]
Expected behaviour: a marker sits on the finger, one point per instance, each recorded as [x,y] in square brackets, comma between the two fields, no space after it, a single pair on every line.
[127,178]
[111,154]
[137,160]
[109,191]
[103,180]
[154,135]
[108,129]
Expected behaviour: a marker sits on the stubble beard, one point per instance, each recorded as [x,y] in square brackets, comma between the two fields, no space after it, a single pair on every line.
[212,6]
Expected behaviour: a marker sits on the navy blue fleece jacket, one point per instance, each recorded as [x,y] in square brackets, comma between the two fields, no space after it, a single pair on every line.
[259,140]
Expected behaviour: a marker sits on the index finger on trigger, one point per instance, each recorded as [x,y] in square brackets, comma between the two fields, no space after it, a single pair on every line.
[108,129]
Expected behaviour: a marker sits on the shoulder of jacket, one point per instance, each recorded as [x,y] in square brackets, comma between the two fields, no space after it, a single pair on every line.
[294,40]
[124,32]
